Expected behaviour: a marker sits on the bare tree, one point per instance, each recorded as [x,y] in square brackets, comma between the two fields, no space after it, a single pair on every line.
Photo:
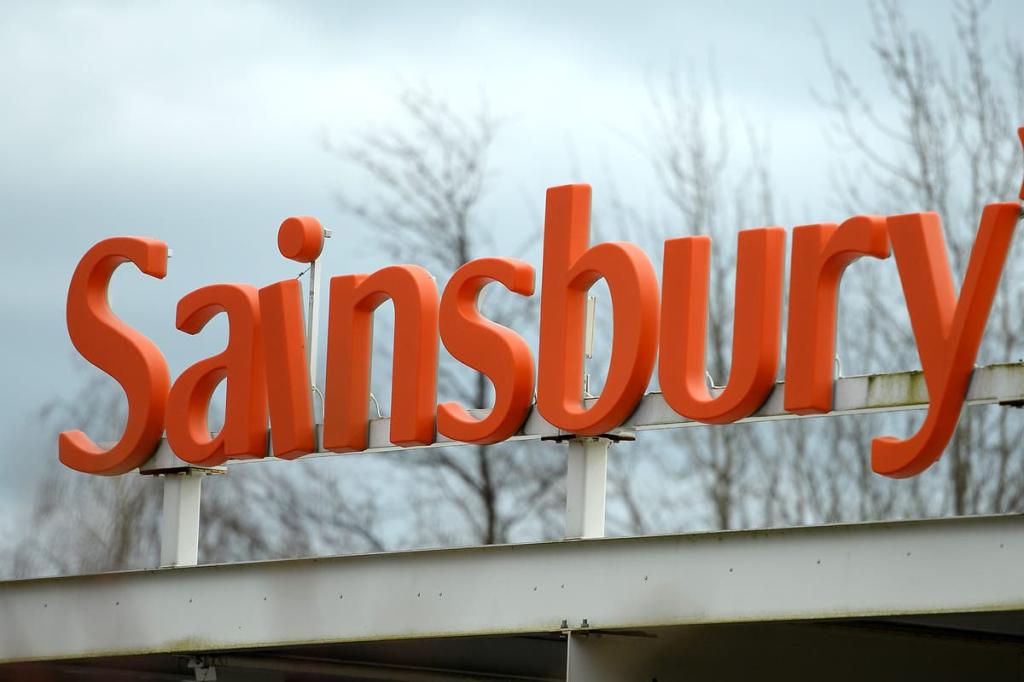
[942,141]
[423,192]
[87,524]
[936,136]
[709,187]
[941,137]
[424,179]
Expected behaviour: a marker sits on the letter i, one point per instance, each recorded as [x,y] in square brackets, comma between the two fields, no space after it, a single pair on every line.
[291,363]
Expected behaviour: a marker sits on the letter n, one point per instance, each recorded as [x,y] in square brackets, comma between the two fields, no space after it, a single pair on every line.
[354,298]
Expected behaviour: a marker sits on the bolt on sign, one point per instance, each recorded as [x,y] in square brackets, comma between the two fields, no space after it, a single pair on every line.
[268,381]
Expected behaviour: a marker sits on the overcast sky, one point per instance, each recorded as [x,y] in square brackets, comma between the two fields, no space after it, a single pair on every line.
[201,124]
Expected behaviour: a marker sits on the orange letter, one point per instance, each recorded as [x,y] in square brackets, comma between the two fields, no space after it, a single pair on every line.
[948,331]
[570,268]
[120,351]
[289,395]
[820,255]
[756,327]
[241,363]
[497,352]
[349,351]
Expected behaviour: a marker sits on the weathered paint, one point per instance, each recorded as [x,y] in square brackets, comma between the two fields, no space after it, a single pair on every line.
[938,566]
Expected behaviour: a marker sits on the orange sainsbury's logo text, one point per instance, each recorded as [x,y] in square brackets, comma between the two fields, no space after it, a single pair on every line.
[268,383]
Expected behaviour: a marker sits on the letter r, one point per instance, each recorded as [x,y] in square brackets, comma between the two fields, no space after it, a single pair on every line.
[821,253]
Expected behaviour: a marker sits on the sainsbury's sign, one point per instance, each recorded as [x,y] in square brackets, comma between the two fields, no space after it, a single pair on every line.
[268,383]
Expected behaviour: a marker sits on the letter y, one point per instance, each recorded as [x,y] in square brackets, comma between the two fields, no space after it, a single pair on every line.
[948,330]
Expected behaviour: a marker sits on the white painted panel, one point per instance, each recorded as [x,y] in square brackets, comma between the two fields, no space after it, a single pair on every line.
[952,565]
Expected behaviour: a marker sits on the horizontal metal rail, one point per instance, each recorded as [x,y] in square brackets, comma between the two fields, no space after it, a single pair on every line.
[992,384]
[864,570]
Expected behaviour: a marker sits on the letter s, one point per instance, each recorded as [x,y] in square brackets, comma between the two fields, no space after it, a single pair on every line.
[120,351]
[495,351]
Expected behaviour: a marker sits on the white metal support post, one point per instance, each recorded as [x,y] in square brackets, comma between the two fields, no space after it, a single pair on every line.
[313,326]
[179,529]
[313,322]
[179,535]
[586,473]
[585,487]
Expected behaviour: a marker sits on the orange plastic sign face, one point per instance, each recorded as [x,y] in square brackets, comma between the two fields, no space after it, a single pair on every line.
[570,268]
[268,385]
[241,365]
[119,350]
[497,352]
[757,329]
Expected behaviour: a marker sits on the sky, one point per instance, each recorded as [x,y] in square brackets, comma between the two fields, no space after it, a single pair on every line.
[203,124]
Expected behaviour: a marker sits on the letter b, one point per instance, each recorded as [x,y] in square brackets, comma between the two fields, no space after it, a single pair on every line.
[570,269]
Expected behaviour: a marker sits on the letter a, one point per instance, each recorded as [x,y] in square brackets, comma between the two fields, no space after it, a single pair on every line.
[241,364]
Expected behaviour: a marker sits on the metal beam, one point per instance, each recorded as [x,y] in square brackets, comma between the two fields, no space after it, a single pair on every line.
[352,670]
[885,569]
[897,391]
[834,651]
